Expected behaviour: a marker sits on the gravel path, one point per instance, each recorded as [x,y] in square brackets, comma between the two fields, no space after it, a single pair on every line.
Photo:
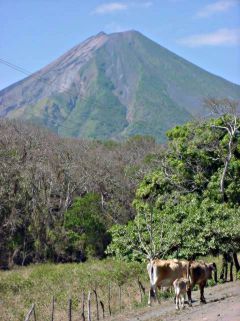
[223,304]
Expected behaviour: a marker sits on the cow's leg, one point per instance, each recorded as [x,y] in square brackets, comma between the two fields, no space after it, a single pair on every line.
[175,293]
[149,297]
[153,293]
[201,286]
[189,294]
[183,299]
[156,294]
[177,301]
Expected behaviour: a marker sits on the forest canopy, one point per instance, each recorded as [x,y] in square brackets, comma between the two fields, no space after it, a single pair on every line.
[65,200]
[48,185]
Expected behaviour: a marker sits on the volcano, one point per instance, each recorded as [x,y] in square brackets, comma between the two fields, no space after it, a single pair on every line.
[112,87]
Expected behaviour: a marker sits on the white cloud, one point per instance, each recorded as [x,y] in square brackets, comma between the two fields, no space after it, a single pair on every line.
[216,7]
[110,7]
[216,38]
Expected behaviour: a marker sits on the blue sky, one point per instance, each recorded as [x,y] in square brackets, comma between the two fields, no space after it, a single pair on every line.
[35,32]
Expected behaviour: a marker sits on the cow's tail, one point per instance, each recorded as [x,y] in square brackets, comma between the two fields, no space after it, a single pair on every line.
[188,270]
[152,272]
[190,285]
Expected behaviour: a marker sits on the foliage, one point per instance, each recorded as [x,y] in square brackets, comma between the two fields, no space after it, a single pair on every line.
[42,176]
[180,207]
[85,229]
[123,239]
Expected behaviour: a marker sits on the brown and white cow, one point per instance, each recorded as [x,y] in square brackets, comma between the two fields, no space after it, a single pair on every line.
[181,286]
[164,273]
[199,273]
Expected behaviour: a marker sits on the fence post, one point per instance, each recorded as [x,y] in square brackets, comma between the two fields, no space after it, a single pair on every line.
[34,314]
[96,298]
[103,310]
[109,299]
[70,309]
[89,305]
[83,306]
[53,306]
[30,312]
[120,297]
[141,289]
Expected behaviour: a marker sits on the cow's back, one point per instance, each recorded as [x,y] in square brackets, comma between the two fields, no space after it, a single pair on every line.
[167,271]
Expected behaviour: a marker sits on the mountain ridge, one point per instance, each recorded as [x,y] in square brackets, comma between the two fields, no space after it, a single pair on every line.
[114,86]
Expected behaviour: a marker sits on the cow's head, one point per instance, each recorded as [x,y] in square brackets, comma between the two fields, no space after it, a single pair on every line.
[213,268]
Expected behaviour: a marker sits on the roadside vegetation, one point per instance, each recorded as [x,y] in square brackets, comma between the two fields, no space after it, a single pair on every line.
[38,283]
[22,286]
[66,201]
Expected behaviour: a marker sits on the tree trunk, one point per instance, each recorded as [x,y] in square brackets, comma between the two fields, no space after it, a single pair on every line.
[226,272]
[231,270]
[224,266]
[235,258]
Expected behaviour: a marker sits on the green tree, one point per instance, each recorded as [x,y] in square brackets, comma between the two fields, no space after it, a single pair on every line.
[85,230]
[179,206]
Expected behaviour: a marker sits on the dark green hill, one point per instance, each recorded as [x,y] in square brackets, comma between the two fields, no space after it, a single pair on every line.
[114,86]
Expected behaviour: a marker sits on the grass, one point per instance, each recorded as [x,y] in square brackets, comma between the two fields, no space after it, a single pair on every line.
[22,286]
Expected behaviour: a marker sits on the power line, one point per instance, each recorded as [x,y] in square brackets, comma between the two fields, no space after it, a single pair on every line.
[34,75]
[28,73]
[13,66]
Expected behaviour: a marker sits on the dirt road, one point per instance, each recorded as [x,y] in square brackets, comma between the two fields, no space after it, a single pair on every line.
[223,304]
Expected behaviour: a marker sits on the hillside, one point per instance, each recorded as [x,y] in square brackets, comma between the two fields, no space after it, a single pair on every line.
[114,86]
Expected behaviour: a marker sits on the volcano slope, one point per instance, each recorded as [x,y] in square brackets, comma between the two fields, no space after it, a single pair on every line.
[114,86]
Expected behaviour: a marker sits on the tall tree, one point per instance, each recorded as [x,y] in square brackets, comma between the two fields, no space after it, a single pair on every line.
[228,112]
[185,196]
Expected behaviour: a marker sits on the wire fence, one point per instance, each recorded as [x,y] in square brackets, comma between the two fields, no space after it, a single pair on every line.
[94,304]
